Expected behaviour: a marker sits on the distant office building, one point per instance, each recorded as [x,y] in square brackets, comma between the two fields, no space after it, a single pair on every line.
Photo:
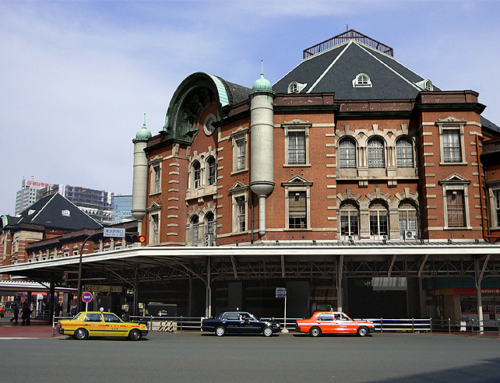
[122,207]
[31,191]
[98,204]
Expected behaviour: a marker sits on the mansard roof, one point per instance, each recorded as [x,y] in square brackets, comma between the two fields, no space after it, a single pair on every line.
[56,212]
[335,69]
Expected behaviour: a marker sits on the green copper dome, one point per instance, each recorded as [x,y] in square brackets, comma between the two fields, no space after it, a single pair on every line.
[262,84]
[143,134]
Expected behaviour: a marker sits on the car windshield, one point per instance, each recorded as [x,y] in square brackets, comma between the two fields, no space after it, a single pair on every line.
[77,316]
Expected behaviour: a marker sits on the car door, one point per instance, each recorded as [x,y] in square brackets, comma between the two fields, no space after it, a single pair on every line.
[231,322]
[114,326]
[94,324]
[249,324]
[347,325]
[326,323]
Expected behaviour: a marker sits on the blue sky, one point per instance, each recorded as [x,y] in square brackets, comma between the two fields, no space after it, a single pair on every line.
[76,77]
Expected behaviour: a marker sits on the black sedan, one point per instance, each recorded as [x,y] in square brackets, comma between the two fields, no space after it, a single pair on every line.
[239,322]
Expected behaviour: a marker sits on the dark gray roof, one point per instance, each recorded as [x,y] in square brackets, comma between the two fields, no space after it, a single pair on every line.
[56,212]
[334,70]
[236,93]
[488,125]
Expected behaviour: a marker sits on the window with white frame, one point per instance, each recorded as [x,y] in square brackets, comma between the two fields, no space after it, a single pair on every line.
[362,80]
[155,186]
[297,203]
[297,210]
[349,221]
[455,206]
[347,154]
[240,207]
[296,148]
[451,143]
[240,149]
[154,229]
[407,221]
[452,151]
[376,153]
[196,174]
[455,202]
[212,171]
[378,221]
[210,233]
[296,142]
[496,207]
[195,230]
[404,153]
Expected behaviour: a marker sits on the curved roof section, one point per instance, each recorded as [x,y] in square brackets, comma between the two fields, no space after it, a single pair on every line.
[184,106]
[333,71]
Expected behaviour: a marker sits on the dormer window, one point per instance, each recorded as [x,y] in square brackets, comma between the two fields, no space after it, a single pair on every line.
[296,87]
[362,80]
[425,85]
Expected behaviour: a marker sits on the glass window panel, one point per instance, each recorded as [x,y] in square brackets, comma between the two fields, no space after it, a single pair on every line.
[451,146]
[347,154]
[376,157]
[297,148]
[404,152]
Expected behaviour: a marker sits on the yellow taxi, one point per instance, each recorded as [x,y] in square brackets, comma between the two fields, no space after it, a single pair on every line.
[100,324]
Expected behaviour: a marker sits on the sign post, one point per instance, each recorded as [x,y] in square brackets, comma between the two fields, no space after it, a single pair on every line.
[87,298]
[281,293]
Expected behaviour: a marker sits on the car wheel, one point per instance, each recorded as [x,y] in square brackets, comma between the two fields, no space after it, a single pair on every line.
[315,332]
[81,334]
[134,335]
[268,331]
[220,331]
[362,331]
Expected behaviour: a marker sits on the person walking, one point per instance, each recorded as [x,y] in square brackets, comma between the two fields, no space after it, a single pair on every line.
[16,312]
[25,315]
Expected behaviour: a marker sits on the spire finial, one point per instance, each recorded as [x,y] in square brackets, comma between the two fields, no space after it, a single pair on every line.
[144,120]
[261,68]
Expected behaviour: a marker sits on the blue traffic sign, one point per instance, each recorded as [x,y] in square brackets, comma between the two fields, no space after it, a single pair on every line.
[87,297]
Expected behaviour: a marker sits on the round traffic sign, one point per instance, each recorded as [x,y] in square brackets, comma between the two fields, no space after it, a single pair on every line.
[87,297]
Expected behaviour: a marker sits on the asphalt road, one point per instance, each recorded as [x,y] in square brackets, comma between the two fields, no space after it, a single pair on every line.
[193,357]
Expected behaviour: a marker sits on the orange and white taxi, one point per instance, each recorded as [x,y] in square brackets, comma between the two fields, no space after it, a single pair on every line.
[333,322]
[100,324]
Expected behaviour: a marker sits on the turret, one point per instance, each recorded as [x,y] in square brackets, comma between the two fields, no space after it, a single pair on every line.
[262,144]
[140,180]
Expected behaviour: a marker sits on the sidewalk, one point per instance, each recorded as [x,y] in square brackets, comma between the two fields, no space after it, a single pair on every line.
[36,329]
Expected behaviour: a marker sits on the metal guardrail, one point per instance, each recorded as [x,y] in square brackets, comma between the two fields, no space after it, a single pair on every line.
[413,325]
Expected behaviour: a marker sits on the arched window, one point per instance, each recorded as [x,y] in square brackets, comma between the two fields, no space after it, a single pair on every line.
[197,175]
[404,153]
[379,225]
[210,234]
[362,80]
[347,154]
[376,153]
[349,221]
[407,221]
[194,228]
[212,171]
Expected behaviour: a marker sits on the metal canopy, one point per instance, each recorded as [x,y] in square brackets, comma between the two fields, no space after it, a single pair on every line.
[156,264]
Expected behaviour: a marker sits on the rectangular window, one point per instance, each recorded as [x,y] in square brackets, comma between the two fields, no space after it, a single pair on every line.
[157,174]
[296,148]
[241,152]
[195,234]
[451,146]
[378,223]
[240,201]
[297,210]
[155,235]
[496,193]
[455,208]
[349,223]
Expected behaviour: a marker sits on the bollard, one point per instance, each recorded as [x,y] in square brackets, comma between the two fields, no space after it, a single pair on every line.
[472,328]
[449,326]
[181,323]
[381,325]
[413,325]
[430,324]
